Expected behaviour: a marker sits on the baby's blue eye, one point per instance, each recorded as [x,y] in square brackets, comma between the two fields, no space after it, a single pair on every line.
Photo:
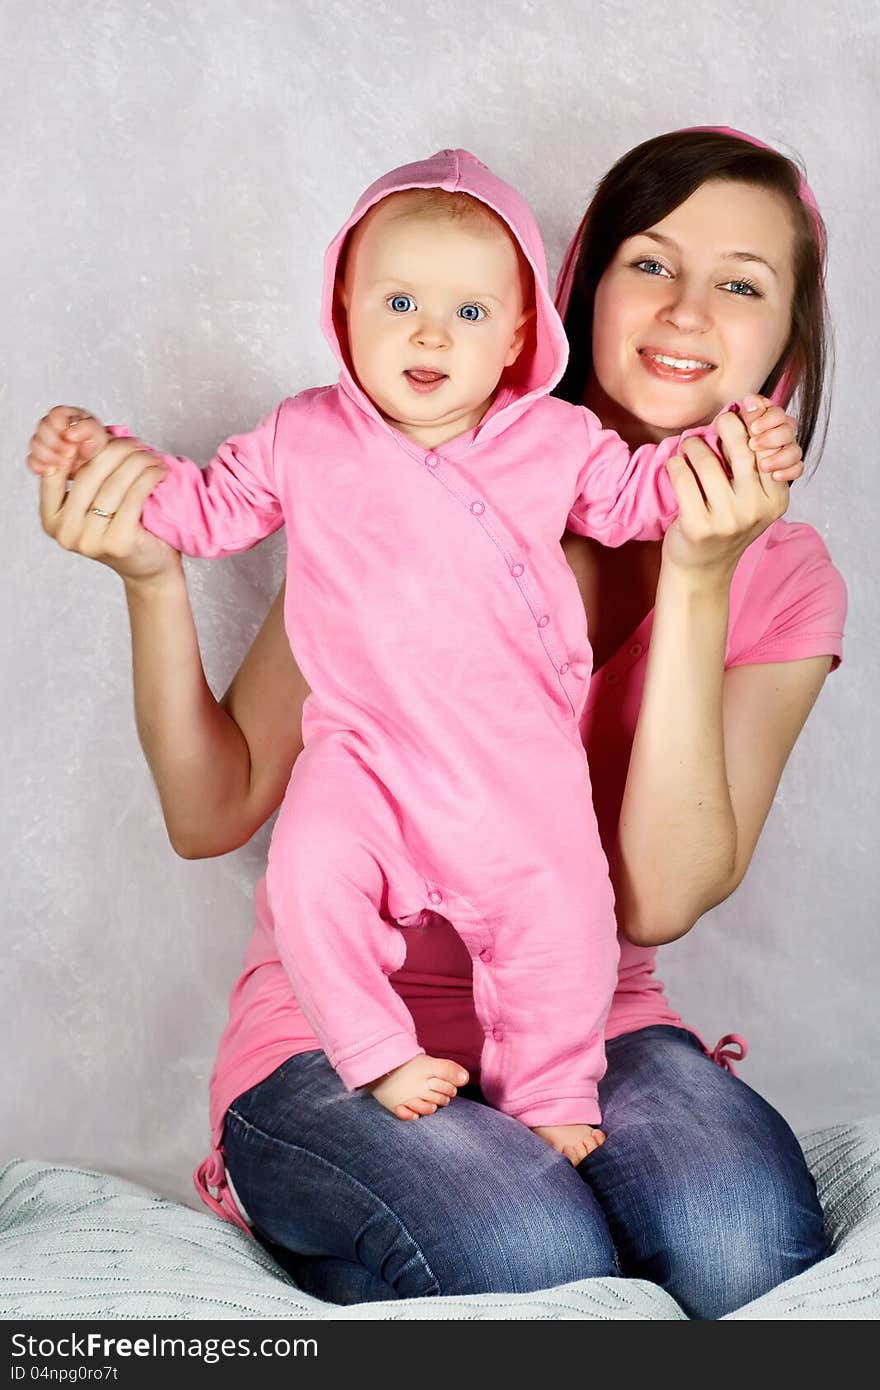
[401,303]
[472,312]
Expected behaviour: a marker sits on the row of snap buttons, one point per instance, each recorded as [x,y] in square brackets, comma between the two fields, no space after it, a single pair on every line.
[517,569]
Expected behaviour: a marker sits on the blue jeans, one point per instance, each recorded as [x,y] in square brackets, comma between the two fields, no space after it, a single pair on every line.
[701,1186]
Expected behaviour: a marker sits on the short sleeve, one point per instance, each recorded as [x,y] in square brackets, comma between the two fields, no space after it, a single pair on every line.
[796,603]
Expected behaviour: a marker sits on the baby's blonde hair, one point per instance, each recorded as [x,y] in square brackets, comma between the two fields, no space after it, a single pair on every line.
[438,202]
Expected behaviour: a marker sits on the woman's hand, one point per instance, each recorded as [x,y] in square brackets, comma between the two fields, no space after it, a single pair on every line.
[97,514]
[719,516]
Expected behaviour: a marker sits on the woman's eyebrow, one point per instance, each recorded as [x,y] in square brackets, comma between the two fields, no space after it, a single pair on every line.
[728,255]
[750,256]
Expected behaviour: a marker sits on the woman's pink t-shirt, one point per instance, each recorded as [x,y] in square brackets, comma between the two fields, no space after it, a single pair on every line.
[787,602]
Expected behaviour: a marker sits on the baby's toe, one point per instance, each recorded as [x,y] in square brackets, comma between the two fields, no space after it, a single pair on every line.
[403,1112]
[443,1069]
[441,1088]
[439,1097]
[421,1105]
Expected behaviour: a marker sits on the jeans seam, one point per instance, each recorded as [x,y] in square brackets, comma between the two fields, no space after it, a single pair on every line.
[355,1182]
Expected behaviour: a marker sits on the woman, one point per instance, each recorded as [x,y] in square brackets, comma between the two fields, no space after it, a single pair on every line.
[695,279]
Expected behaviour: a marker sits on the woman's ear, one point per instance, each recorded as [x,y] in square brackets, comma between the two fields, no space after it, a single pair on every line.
[520,334]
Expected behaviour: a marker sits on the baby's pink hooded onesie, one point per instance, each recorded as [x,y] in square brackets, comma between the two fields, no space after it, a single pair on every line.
[433,614]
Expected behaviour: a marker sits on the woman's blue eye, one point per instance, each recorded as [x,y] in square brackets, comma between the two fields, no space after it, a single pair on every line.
[472,312]
[401,303]
[651,267]
[743,288]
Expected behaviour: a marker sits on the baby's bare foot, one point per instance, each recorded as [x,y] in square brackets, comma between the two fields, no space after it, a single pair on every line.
[419,1086]
[573,1141]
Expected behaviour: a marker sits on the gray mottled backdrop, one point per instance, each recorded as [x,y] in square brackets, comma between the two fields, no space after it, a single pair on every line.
[170,176]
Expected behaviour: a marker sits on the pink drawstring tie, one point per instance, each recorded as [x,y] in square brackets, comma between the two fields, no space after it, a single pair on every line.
[213,1173]
[731,1048]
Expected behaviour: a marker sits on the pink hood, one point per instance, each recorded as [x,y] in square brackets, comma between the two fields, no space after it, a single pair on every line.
[539,369]
[785,388]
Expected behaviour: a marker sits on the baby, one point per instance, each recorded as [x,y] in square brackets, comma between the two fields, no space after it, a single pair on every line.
[431,610]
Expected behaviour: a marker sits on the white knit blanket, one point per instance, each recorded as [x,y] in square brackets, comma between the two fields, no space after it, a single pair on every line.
[77,1244]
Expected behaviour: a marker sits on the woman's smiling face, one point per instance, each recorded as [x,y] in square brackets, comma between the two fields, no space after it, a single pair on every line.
[693,312]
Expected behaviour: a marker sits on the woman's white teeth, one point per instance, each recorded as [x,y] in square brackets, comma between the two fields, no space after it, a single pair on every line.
[683,364]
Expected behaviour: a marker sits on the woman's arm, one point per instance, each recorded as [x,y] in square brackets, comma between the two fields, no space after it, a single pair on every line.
[220,767]
[709,750]
[710,746]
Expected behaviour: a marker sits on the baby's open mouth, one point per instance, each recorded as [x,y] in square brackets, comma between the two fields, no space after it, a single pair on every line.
[423,380]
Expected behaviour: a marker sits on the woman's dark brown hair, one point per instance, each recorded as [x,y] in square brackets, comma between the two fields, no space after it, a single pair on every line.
[644,187]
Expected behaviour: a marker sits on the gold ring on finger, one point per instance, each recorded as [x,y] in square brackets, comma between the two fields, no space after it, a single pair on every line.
[98,511]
